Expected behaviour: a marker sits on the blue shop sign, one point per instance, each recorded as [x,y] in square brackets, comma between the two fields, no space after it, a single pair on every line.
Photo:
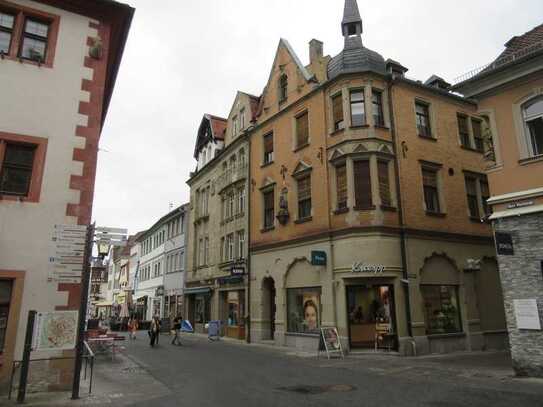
[318,258]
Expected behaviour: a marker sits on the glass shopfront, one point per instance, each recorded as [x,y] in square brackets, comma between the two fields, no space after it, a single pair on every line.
[303,309]
[234,308]
[441,311]
[371,316]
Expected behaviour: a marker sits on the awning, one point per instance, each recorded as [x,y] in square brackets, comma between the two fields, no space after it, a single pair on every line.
[197,290]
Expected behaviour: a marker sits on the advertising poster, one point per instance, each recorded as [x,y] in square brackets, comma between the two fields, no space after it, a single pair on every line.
[311,307]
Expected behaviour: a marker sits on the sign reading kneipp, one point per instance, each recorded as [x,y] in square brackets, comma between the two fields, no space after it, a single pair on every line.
[367,268]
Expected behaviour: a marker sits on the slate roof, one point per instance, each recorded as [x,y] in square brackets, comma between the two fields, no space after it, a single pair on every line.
[355,58]
[350,12]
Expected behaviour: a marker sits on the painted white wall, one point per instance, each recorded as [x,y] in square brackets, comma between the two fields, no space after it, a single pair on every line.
[43,102]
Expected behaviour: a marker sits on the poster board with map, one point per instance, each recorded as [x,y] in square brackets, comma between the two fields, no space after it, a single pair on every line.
[55,330]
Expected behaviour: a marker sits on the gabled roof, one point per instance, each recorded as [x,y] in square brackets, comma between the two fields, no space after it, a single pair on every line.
[216,124]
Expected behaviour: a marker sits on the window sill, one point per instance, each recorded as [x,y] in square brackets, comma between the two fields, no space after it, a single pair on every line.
[364,208]
[447,335]
[436,214]
[264,230]
[381,126]
[362,126]
[303,220]
[300,147]
[388,208]
[337,131]
[474,150]
[266,164]
[429,138]
[339,211]
[530,160]
[21,60]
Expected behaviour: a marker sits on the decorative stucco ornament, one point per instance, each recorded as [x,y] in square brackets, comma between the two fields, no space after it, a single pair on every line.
[283,215]
[95,50]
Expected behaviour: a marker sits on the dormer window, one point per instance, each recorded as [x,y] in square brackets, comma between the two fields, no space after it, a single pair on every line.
[283,85]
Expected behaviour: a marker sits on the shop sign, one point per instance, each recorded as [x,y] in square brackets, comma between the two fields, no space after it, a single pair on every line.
[318,258]
[504,244]
[527,314]
[367,268]
[237,271]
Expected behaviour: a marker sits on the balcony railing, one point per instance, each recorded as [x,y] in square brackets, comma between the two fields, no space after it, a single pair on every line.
[501,62]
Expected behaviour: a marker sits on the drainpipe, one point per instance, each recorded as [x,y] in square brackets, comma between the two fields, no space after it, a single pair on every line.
[248,203]
[403,250]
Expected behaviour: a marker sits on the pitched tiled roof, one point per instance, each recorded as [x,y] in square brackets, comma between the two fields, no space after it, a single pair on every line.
[520,42]
[218,126]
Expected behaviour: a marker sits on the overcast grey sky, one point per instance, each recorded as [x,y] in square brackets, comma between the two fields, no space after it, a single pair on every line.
[185,58]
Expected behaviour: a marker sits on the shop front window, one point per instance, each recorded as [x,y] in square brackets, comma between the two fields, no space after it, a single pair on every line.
[441,311]
[303,308]
[5,299]
[235,308]
[202,309]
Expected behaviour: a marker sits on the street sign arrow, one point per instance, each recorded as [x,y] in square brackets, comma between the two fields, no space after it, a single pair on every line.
[111,230]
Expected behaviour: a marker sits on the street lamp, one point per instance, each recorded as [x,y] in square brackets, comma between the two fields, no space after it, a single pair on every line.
[103,248]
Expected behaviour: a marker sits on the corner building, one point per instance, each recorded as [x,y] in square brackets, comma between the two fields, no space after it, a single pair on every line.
[366,198]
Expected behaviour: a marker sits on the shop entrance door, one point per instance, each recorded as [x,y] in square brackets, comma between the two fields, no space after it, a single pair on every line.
[371,317]
[268,308]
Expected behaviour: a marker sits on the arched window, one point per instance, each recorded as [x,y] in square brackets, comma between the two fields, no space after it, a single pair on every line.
[532,112]
[283,85]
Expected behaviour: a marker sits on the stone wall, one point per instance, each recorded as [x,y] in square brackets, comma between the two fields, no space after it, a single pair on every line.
[522,278]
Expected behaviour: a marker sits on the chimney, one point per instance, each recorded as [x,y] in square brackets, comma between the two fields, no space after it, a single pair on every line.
[315,50]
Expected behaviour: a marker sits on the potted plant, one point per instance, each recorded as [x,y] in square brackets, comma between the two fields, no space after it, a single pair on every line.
[35,55]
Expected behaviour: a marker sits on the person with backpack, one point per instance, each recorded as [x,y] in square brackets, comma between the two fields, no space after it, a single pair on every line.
[177,329]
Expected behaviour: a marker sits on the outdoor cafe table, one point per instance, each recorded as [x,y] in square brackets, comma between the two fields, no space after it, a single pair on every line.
[102,345]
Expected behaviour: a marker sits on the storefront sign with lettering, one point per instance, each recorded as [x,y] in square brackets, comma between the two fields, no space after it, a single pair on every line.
[520,204]
[527,314]
[504,244]
[367,268]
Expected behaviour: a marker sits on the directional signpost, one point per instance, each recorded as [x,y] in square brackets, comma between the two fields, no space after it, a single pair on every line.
[67,257]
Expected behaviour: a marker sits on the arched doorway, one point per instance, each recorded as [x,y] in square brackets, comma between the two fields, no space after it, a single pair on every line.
[268,308]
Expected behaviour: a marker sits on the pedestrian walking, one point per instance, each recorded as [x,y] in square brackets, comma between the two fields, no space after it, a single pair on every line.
[177,329]
[154,331]
[133,327]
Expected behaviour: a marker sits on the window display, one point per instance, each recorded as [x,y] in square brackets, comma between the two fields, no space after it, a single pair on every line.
[441,311]
[202,309]
[303,307]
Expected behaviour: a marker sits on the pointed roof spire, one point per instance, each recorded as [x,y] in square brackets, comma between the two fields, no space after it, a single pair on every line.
[352,22]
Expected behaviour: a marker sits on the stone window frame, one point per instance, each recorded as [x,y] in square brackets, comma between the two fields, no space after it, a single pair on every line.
[479,179]
[307,172]
[267,188]
[271,134]
[21,14]
[471,137]
[432,117]
[525,154]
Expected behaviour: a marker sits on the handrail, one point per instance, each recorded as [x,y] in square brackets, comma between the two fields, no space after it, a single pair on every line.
[91,353]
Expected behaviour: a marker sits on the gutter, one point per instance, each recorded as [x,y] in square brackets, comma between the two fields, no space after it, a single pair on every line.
[248,203]
[405,282]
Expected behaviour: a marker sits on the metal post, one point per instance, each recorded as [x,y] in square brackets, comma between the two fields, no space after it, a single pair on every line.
[82,311]
[26,356]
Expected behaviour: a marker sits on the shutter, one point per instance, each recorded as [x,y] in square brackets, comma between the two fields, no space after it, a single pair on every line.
[384,184]
[341,186]
[302,130]
[337,108]
[304,189]
[362,184]
[268,143]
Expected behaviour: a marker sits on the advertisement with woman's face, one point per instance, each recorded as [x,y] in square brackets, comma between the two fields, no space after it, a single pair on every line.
[311,311]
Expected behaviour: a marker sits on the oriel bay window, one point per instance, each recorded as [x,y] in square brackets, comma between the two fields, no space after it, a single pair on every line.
[441,309]
[377,103]
[430,188]
[362,185]
[422,111]
[302,130]
[7,22]
[269,209]
[304,197]
[358,111]
[341,186]
[303,310]
[17,165]
[337,111]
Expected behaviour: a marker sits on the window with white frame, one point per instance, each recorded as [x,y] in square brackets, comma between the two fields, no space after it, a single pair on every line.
[241,244]
[241,200]
[230,247]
